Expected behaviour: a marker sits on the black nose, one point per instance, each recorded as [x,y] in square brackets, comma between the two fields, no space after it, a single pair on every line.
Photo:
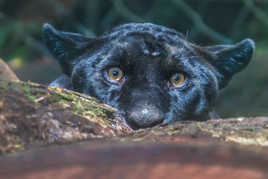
[143,116]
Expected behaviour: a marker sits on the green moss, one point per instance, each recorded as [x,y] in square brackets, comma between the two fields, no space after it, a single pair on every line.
[62,95]
[84,106]
[27,91]
[54,99]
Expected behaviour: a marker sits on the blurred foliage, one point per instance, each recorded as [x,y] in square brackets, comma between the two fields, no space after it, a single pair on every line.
[206,22]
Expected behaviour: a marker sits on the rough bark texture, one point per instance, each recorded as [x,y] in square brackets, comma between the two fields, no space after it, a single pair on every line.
[38,119]
[35,115]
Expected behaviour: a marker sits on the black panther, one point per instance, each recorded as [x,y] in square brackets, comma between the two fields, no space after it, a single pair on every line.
[150,73]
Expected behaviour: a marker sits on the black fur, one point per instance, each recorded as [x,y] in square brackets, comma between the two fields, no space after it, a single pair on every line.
[148,55]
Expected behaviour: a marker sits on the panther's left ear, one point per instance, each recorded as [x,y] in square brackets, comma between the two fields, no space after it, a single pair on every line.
[230,59]
[65,47]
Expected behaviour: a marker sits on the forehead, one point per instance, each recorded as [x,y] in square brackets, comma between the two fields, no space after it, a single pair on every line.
[142,51]
[142,44]
[148,44]
[149,38]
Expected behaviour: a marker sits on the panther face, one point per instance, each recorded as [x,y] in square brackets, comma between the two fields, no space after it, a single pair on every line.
[149,73]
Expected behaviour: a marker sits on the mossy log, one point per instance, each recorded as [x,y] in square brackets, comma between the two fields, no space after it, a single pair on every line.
[34,115]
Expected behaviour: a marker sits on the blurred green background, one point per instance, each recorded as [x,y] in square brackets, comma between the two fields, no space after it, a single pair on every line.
[204,22]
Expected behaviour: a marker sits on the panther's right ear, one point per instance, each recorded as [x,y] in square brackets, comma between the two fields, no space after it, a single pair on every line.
[66,47]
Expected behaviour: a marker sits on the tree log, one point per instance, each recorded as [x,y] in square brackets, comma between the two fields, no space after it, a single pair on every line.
[37,119]
[35,115]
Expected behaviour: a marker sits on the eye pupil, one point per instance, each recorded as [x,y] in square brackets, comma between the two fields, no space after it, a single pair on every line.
[115,74]
[177,79]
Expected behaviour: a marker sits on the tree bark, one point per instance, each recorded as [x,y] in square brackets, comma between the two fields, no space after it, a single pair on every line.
[35,115]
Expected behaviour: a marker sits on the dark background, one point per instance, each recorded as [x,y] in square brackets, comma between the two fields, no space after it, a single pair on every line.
[204,22]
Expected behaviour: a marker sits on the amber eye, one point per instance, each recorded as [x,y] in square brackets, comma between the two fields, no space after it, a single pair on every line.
[115,74]
[177,79]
